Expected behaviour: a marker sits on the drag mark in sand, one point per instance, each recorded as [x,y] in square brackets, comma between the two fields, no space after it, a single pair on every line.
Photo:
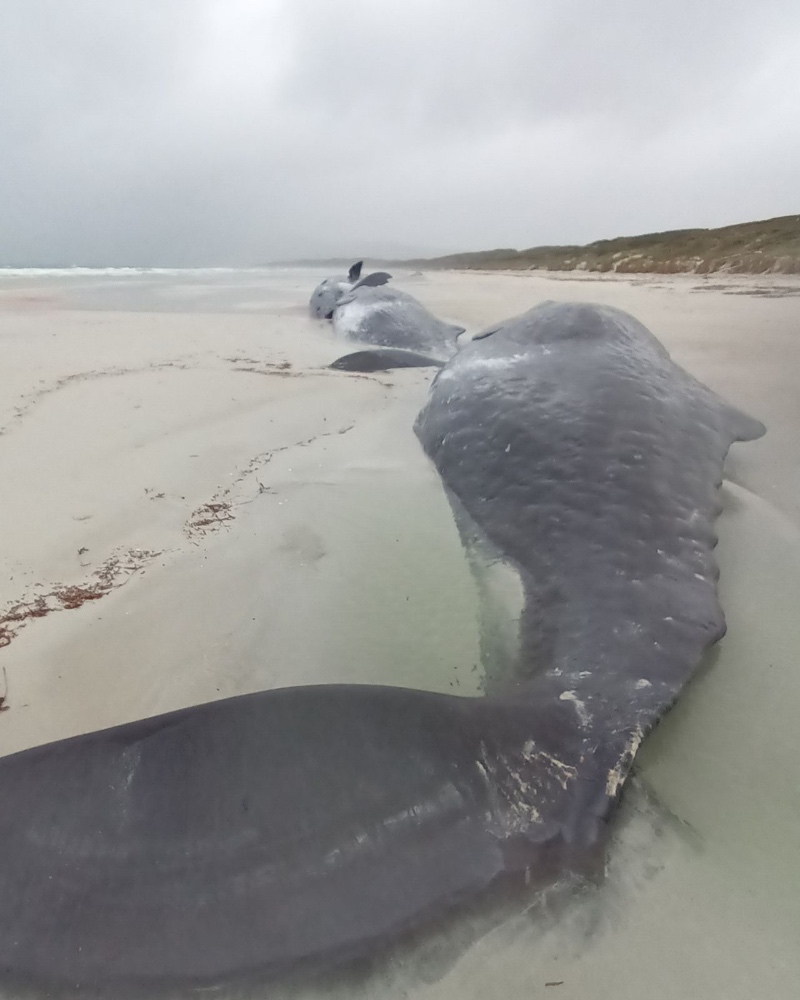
[113,573]
[283,369]
[219,510]
[32,399]
[208,517]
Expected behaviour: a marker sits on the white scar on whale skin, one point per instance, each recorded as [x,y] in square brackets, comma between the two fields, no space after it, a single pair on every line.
[352,315]
[580,708]
[618,773]
[561,772]
[477,365]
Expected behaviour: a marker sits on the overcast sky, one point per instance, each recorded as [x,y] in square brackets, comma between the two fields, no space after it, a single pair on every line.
[190,132]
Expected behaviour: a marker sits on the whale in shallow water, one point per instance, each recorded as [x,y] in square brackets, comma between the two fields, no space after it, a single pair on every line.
[247,838]
[574,447]
[251,837]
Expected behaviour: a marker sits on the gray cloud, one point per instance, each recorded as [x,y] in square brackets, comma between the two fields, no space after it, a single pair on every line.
[240,131]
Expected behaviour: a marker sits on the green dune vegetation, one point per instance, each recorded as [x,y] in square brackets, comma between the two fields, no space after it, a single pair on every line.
[770,246]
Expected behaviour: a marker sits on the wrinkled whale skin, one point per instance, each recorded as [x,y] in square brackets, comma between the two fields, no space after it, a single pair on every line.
[580,451]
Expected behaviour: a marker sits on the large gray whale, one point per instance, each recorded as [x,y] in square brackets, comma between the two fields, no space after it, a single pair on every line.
[250,837]
[595,474]
[329,291]
[390,318]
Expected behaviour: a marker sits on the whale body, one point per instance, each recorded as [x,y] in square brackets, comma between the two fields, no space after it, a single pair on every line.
[389,317]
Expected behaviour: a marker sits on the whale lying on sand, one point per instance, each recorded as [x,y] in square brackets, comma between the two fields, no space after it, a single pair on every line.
[363,310]
[391,318]
[252,837]
[328,292]
[595,474]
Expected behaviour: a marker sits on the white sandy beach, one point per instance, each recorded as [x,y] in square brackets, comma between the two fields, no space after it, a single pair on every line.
[230,516]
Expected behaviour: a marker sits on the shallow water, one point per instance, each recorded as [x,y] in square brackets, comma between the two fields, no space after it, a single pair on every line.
[131,400]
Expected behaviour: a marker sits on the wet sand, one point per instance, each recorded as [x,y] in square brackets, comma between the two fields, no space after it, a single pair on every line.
[195,507]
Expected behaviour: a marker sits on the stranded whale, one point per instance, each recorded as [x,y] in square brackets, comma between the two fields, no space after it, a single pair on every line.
[363,310]
[576,449]
[391,318]
[328,292]
[246,838]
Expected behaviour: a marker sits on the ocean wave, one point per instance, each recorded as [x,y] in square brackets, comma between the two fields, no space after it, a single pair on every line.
[122,272]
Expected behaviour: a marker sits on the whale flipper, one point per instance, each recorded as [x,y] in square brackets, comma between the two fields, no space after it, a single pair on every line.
[382,359]
[373,280]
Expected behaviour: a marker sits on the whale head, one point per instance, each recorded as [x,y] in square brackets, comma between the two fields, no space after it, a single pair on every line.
[329,293]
